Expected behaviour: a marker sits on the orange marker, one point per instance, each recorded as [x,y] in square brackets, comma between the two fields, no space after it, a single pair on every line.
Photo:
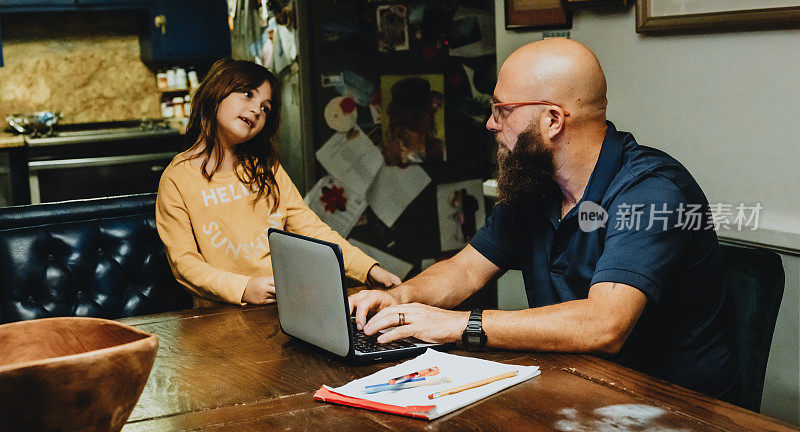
[418,374]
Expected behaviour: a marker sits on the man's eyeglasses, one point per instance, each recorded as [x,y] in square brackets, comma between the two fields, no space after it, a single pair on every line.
[501,110]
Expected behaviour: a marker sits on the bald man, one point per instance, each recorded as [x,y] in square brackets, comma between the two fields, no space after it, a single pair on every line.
[614,240]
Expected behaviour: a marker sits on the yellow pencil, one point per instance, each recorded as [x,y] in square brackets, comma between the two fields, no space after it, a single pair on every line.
[473,385]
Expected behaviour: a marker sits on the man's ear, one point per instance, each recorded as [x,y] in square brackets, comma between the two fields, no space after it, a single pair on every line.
[555,118]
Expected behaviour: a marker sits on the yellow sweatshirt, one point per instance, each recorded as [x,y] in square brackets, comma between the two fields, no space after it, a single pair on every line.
[216,240]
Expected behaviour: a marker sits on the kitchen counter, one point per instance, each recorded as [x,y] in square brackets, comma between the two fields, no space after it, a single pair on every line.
[11,140]
[14,140]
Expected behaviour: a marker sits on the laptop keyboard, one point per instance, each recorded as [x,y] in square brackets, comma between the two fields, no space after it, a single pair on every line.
[368,344]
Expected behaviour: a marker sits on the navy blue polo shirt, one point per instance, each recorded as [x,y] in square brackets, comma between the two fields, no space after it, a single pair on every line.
[657,237]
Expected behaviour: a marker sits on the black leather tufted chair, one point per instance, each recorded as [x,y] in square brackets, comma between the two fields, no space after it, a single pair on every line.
[98,257]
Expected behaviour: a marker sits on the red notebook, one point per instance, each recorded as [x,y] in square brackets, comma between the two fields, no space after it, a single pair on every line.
[325,395]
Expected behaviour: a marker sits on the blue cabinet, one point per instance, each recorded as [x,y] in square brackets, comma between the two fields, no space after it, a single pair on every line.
[12,6]
[186,31]
[112,4]
[34,5]
[173,31]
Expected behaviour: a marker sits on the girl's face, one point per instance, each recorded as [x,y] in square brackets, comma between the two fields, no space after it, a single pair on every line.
[242,115]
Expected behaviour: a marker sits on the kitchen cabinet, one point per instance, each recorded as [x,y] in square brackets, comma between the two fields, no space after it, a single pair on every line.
[34,5]
[112,3]
[186,32]
[174,31]
[11,6]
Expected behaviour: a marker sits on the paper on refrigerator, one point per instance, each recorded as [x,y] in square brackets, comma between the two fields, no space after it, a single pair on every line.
[393,190]
[461,212]
[389,262]
[335,204]
[354,162]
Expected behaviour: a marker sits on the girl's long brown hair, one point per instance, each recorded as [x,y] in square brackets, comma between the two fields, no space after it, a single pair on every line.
[258,156]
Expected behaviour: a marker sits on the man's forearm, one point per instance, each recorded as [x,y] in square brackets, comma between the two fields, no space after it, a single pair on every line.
[436,286]
[566,327]
[445,284]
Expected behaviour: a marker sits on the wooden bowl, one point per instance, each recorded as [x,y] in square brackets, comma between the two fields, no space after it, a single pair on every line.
[71,374]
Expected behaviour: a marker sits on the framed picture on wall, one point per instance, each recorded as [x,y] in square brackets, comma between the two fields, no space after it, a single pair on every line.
[392,28]
[691,16]
[412,123]
[537,14]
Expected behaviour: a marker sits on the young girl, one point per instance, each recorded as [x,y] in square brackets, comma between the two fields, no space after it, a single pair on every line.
[217,199]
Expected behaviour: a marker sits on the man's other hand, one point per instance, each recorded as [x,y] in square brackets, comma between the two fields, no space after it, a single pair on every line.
[369,301]
[426,323]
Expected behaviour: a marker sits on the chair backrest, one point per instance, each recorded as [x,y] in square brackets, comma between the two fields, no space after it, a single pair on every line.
[97,257]
[755,280]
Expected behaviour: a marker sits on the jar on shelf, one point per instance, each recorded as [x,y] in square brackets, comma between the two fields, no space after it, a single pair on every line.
[194,82]
[177,107]
[167,110]
[161,79]
[180,78]
[171,79]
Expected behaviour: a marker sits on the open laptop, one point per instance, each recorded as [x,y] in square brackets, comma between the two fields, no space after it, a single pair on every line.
[312,300]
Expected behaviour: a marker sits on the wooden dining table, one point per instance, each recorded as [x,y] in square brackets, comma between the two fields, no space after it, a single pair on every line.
[232,368]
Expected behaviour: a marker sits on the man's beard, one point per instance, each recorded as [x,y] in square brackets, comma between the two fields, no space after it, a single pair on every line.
[524,171]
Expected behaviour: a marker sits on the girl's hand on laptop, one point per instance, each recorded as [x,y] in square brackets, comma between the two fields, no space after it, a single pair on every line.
[259,290]
[380,277]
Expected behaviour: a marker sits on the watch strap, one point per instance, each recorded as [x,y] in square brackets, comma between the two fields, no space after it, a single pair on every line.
[475,320]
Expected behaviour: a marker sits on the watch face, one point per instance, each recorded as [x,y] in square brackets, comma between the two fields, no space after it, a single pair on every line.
[474,340]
